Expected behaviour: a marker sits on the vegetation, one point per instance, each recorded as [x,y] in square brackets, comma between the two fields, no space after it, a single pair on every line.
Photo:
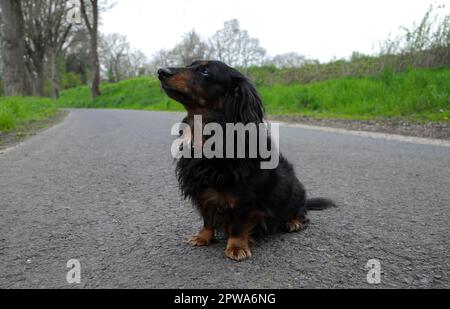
[419,94]
[408,77]
[416,94]
[424,45]
[17,112]
[138,93]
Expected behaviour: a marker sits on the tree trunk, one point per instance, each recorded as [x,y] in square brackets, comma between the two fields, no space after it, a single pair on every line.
[95,67]
[13,48]
[92,27]
[54,75]
[40,78]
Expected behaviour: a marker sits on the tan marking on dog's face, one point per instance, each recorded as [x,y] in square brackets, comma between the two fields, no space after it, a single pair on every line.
[183,82]
[180,82]
[199,95]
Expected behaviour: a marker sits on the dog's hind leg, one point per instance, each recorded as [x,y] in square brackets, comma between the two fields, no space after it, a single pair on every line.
[296,224]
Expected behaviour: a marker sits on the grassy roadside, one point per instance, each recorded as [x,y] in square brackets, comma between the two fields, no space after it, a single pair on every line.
[417,95]
[23,116]
[142,93]
[17,112]
[420,95]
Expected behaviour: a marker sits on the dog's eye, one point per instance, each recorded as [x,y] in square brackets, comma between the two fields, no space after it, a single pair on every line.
[204,72]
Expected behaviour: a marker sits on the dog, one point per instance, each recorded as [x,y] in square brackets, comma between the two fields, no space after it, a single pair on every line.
[234,195]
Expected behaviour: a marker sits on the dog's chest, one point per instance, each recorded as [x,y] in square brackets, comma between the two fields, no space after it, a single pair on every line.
[216,206]
[219,199]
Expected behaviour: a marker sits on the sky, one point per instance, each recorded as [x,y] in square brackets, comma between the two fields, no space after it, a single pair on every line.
[319,29]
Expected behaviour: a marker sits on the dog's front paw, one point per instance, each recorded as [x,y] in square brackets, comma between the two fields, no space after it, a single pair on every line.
[238,254]
[198,241]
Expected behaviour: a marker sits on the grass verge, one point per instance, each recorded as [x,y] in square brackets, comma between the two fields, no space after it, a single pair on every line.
[418,94]
[139,93]
[24,116]
[17,112]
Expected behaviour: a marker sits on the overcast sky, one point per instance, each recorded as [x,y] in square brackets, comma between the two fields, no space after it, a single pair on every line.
[316,28]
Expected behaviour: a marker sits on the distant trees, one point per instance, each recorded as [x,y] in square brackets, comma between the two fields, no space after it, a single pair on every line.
[235,47]
[190,48]
[161,59]
[44,50]
[76,54]
[114,49]
[13,48]
[426,44]
[288,60]
[1,66]
[118,60]
[137,64]
[230,45]
[46,31]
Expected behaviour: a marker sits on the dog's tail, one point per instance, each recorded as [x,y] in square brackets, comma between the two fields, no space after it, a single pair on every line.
[318,204]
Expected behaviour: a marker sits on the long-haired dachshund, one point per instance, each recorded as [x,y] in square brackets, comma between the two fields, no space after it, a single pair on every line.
[234,195]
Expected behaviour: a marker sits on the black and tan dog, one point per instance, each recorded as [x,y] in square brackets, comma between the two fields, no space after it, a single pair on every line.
[234,195]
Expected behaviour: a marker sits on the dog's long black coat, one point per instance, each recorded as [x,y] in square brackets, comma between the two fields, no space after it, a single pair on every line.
[272,195]
[234,194]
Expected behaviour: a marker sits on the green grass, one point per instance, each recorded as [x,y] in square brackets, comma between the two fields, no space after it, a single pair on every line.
[418,94]
[17,112]
[139,93]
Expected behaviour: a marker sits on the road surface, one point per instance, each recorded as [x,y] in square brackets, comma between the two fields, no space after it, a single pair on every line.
[100,188]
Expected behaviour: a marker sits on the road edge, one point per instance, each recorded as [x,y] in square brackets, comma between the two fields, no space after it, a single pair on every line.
[367,134]
[32,130]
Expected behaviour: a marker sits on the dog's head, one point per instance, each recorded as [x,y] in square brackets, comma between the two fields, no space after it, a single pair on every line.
[214,86]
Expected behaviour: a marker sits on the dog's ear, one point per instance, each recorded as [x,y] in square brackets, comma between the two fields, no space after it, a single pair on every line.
[243,103]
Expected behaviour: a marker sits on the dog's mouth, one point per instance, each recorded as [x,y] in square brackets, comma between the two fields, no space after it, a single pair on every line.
[175,94]
[167,88]
[170,91]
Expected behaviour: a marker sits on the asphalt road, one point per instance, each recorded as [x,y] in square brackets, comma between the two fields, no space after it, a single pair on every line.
[100,188]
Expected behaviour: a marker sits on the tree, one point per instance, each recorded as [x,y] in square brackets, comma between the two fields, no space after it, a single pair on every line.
[77,55]
[289,60]
[235,46]
[90,14]
[1,65]
[46,32]
[13,48]
[137,63]
[118,60]
[114,53]
[162,59]
[191,48]
[1,60]
[60,29]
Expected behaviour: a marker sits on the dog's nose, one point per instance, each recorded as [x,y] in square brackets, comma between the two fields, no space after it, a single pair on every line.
[164,73]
